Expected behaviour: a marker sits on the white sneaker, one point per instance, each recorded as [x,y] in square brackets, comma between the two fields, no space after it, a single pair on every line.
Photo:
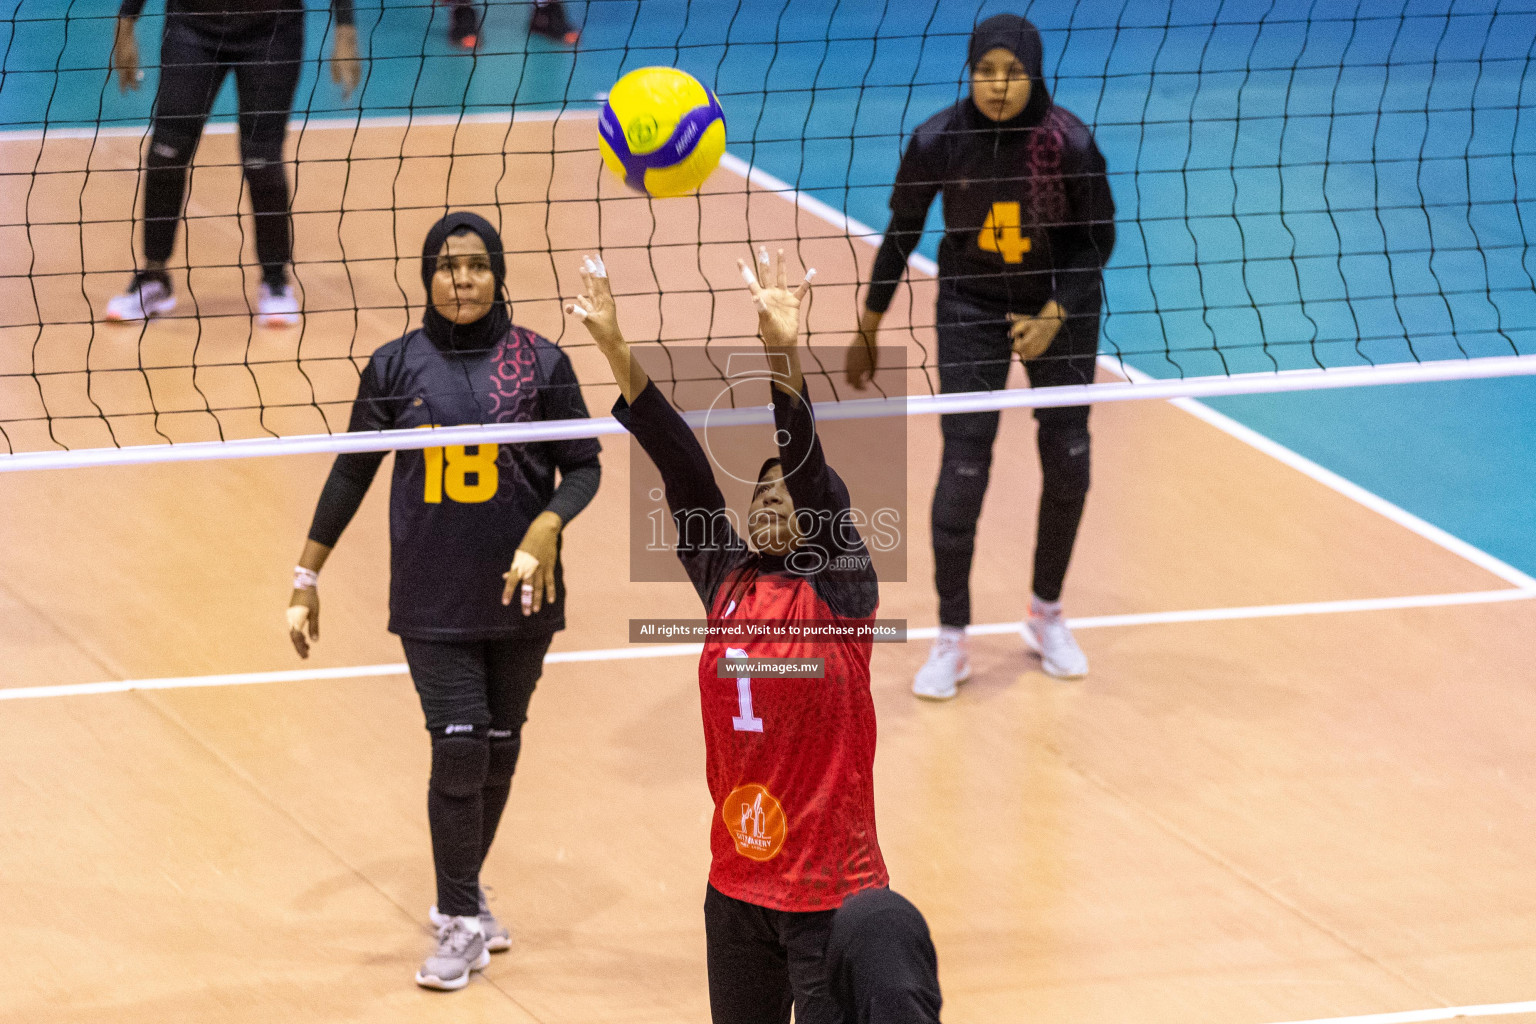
[1049,637]
[497,938]
[276,307]
[948,665]
[145,297]
[460,952]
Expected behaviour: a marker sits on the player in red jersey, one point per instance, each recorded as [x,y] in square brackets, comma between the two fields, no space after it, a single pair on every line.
[790,761]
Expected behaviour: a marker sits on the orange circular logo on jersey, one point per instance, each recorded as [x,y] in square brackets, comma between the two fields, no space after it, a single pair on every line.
[755,820]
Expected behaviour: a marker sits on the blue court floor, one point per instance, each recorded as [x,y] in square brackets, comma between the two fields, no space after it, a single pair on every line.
[1299,182]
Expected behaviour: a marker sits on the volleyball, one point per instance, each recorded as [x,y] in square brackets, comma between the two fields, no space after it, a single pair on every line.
[661,131]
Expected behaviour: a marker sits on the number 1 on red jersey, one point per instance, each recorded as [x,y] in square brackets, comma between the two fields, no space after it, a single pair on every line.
[744,721]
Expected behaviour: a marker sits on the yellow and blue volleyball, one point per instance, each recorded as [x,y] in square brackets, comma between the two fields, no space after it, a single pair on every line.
[661,131]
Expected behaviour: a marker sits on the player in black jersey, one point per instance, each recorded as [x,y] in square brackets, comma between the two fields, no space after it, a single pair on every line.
[262,41]
[459,517]
[1028,227]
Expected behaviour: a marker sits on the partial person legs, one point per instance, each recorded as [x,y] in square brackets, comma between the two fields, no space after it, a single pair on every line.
[191,72]
[1065,452]
[463,23]
[549,20]
[764,962]
[964,472]
[974,355]
[475,698]
[266,78]
[1065,458]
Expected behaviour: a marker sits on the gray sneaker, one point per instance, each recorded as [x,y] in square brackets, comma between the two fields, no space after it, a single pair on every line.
[459,951]
[497,938]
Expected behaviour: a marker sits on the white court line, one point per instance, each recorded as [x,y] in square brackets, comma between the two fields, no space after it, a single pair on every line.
[1226,424]
[637,652]
[1402,517]
[1262,611]
[1439,1013]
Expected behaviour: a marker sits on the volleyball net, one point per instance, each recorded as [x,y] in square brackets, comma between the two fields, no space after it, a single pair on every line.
[1310,195]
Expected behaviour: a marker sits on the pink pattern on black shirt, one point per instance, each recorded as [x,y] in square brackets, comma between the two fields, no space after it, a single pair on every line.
[1047,190]
[514,396]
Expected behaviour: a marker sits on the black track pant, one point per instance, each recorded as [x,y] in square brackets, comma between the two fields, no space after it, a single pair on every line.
[762,962]
[196,54]
[475,697]
[881,964]
[869,962]
[975,351]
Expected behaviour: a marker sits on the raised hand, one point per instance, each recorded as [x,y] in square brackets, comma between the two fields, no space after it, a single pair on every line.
[595,308]
[778,308]
[597,311]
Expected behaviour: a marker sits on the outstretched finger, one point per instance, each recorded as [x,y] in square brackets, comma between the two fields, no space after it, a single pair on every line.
[783,271]
[581,307]
[805,286]
[533,591]
[749,277]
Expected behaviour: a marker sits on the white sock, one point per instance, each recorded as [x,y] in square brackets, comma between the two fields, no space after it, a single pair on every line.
[473,924]
[954,634]
[1044,609]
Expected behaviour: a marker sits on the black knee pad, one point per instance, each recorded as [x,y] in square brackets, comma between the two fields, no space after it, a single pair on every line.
[460,760]
[963,474]
[958,497]
[1065,456]
[505,745]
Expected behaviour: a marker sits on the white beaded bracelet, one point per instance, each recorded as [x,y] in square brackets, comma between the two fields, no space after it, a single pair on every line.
[304,579]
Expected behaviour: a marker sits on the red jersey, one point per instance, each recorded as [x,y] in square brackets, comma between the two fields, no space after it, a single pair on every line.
[789,761]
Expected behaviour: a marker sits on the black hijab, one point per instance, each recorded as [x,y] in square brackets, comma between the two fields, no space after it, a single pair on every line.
[489,329]
[1019,37]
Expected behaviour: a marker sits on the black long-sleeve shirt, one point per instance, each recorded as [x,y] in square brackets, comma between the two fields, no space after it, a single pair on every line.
[1028,214]
[457,514]
[234,10]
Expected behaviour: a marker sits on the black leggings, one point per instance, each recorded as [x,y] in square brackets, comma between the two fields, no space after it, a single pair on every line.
[195,56]
[975,351]
[881,963]
[762,962]
[869,962]
[475,697]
